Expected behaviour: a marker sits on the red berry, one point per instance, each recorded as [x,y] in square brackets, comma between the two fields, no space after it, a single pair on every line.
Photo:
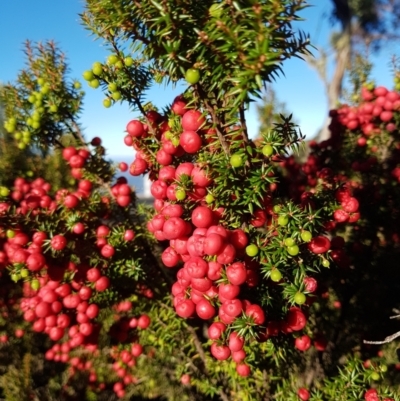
[185,379]
[135,128]
[205,310]
[319,245]
[303,343]
[215,330]
[138,167]
[58,242]
[243,369]
[185,308]
[102,283]
[371,395]
[295,319]
[190,142]
[107,251]
[220,352]
[303,394]
[235,342]
[192,120]
[202,217]
[310,284]
[256,312]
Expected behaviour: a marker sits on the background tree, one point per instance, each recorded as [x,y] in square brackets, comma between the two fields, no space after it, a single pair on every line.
[21,151]
[365,26]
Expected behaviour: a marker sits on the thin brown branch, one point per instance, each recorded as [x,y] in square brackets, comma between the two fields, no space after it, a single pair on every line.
[198,346]
[243,124]
[223,396]
[216,122]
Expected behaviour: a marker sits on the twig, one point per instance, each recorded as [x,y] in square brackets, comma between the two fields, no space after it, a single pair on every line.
[395,311]
[216,124]
[388,339]
[202,355]
[198,346]
[223,396]
[245,134]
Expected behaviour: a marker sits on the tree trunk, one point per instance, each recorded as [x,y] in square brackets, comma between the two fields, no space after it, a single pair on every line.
[334,86]
[343,48]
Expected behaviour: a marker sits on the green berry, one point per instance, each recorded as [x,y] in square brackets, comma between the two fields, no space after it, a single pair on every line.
[209,198]
[116,95]
[107,103]
[88,75]
[77,85]
[4,191]
[97,68]
[112,87]
[175,141]
[45,89]
[35,285]
[267,150]
[375,376]
[236,160]
[306,236]
[128,61]
[36,116]
[180,194]
[10,128]
[293,250]
[289,241]
[277,208]
[252,250]
[299,298]
[276,275]
[283,220]
[192,76]
[10,233]
[24,273]
[325,263]
[94,83]
[112,59]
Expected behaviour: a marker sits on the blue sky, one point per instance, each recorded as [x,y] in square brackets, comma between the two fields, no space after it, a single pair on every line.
[40,20]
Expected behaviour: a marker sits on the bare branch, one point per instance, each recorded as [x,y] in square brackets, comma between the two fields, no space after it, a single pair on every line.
[388,339]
